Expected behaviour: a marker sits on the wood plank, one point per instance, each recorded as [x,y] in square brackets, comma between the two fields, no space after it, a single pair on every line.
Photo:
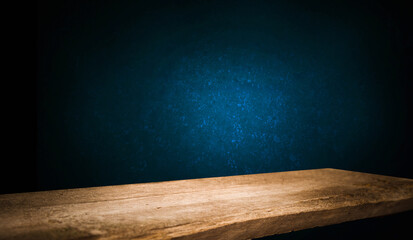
[236,207]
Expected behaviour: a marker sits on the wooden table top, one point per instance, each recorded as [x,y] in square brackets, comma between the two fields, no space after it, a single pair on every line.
[235,207]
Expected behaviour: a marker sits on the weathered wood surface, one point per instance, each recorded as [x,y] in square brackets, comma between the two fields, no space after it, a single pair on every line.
[236,207]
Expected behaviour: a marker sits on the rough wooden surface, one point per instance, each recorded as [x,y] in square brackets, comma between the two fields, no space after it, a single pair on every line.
[237,207]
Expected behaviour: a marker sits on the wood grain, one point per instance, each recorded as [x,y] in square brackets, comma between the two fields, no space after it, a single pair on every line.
[236,207]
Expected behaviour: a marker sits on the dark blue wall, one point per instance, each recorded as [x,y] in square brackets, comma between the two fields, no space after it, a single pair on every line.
[139,91]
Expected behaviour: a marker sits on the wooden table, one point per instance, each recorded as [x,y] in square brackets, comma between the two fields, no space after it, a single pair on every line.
[236,207]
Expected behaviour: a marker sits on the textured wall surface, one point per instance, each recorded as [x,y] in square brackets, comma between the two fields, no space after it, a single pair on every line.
[135,92]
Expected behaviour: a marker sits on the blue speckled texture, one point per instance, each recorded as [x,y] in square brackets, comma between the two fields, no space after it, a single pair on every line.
[137,92]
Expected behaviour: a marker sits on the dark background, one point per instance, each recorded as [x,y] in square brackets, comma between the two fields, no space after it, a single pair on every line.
[143,91]
[115,92]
